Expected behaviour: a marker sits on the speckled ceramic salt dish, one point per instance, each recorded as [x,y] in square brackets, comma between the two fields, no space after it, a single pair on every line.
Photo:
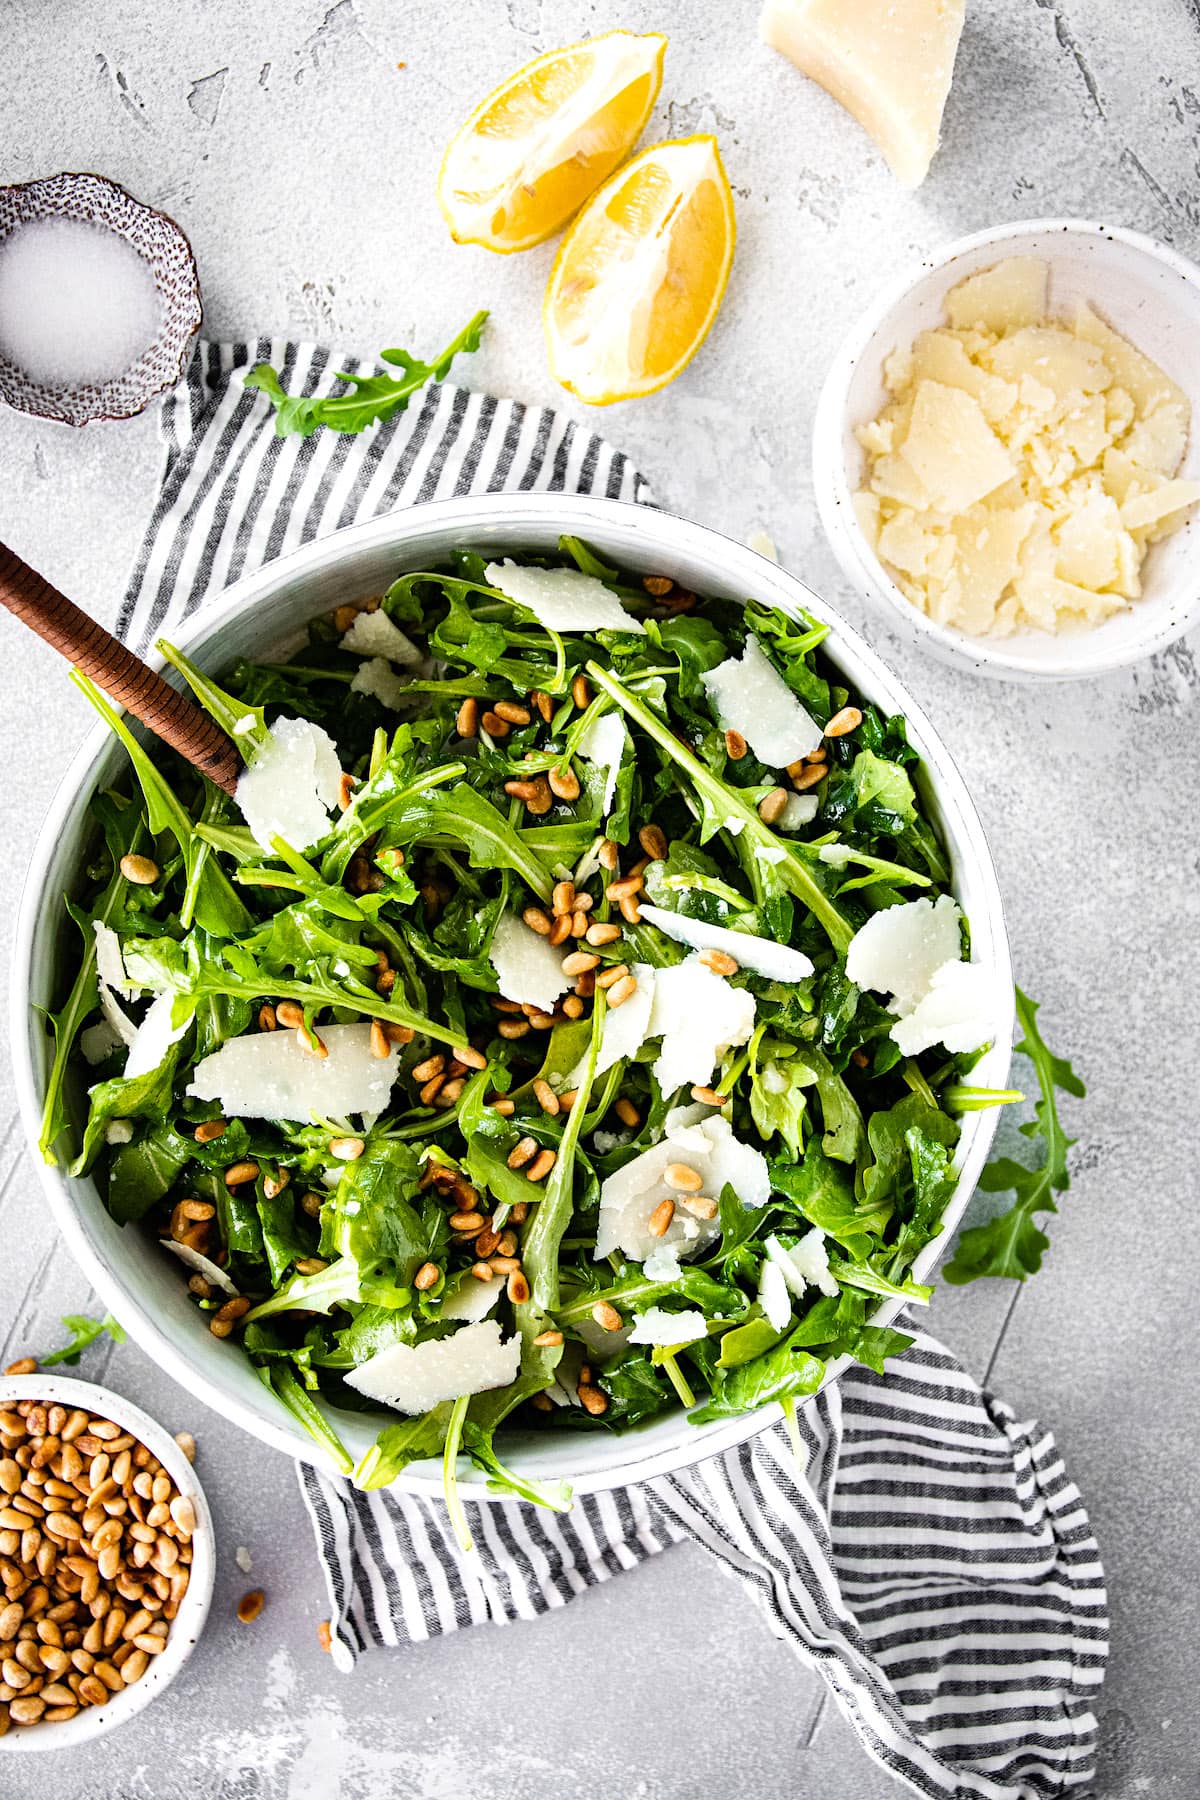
[189,1621]
[161,244]
[1145,291]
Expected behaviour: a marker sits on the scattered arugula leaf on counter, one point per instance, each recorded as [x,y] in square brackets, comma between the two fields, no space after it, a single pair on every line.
[84,1332]
[372,399]
[1013,1244]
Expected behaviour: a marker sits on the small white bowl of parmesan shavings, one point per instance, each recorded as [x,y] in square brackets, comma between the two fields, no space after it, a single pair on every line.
[99,299]
[1007,451]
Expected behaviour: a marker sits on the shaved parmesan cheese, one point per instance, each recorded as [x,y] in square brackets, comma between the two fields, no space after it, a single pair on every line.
[200,1265]
[751,696]
[788,1272]
[603,743]
[777,962]
[528,969]
[290,785]
[811,1258]
[374,634]
[378,678]
[959,1011]
[119,1131]
[798,810]
[110,964]
[773,1296]
[625,1028]
[99,1041]
[414,1377]
[656,1326]
[562,599]
[115,1018]
[628,1198]
[680,1129]
[662,1265]
[699,1016]
[897,951]
[268,1076]
[155,1035]
[472,1300]
[770,853]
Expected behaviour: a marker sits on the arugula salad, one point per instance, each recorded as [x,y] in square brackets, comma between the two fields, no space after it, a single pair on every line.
[569,1020]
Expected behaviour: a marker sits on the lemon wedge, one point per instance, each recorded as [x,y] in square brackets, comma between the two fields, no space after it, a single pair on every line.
[532,152]
[640,276]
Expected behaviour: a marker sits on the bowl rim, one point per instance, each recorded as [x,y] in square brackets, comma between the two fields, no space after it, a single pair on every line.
[835,500]
[196,297]
[746,570]
[189,1622]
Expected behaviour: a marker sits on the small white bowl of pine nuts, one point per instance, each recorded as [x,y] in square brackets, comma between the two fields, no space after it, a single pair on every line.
[106,1561]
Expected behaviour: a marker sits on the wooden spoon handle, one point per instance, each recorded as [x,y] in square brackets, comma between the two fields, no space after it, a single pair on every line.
[175,718]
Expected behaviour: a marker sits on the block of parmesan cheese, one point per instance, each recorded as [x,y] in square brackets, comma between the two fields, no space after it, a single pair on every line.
[889,62]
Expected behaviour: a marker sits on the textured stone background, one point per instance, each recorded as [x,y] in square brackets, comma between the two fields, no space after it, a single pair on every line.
[301,162]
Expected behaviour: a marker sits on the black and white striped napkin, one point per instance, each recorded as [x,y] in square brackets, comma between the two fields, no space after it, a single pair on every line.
[933,1560]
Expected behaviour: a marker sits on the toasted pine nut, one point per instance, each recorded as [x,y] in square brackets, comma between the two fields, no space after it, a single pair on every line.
[593,1399]
[344,617]
[506,1108]
[542,1164]
[494,725]
[573,1006]
[567,1100]
[379,1041]
[481,1271]
[537,920]
[517,1288]
[250,1605]
[143,871]
[564,783]
[467,722]
[682,1178]
[522,1152]
[658,585]
[511,712]
[546,1097]
[433,1065]
[720,962]
[608,855]
[560,931]
[699,1205]
[289,1014]
[581,693]
[426,1277]
[771,805]
[346,1149]
[325,1635]
[849,719]
[399,1034]
[622,990]
[610,977]
[660,1219]
[513,1028]
[470,1224]
[624,889]
[627,1112]
[653,840]
[579,962]
[563,897]
[547,1340]
[266,1017]
[24,1365]
[607,1316]
[631,912]
[239,1172]
[735,746]
[706,1096]
[603,934]
[813,772]
[210,1130]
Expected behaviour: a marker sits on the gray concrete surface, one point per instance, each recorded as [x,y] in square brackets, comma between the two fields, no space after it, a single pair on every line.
[301,160]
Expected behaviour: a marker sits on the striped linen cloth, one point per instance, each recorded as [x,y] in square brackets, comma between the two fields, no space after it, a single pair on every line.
[932,1560]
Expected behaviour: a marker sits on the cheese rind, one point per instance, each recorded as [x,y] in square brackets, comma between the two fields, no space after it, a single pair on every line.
[889,65]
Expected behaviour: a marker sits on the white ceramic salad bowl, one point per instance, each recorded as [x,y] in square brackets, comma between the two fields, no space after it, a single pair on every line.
[139,1284]
[1150,294]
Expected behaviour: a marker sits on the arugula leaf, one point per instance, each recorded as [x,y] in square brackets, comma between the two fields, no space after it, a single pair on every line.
[84,1332]
[777,1374]
[1012,1245]
[372,399]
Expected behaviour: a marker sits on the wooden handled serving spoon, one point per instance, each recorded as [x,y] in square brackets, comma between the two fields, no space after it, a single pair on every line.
[122,675]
